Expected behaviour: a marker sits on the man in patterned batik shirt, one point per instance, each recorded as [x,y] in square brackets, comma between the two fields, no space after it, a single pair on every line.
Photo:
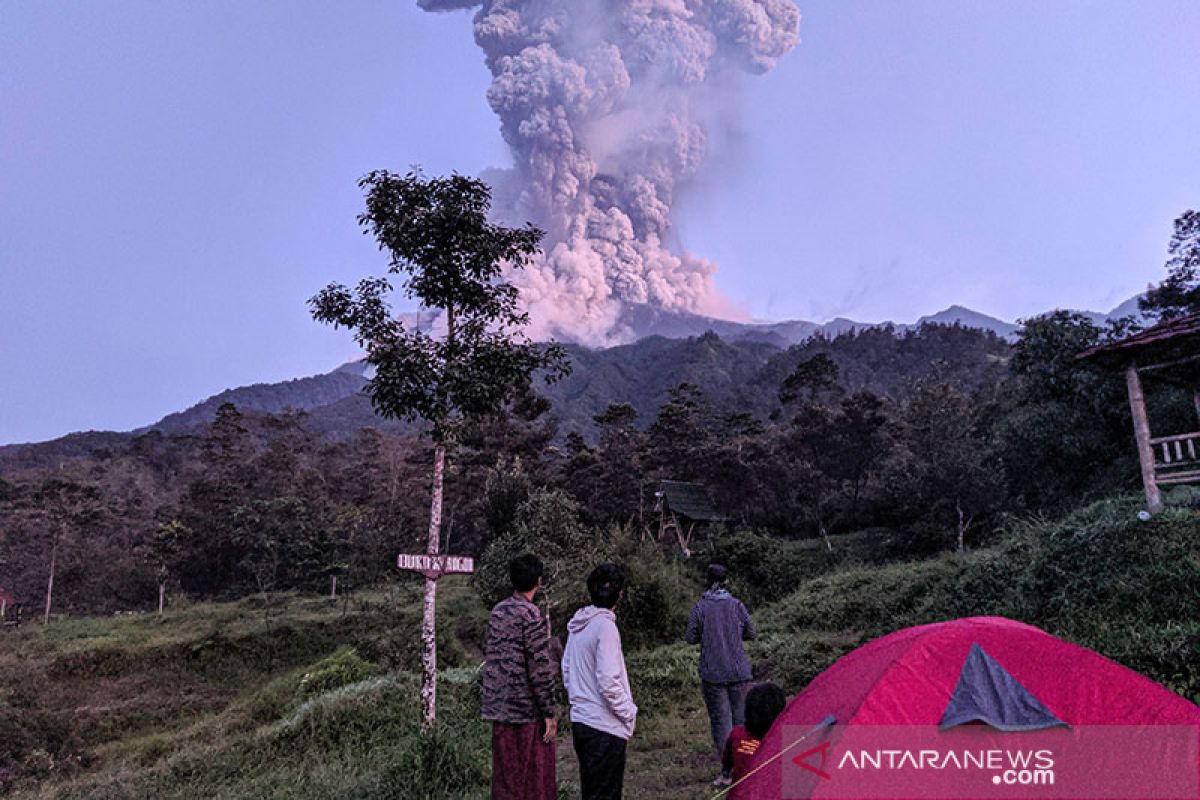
[518,690]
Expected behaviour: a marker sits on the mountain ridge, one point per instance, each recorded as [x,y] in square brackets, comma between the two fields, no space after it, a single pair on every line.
[334,400]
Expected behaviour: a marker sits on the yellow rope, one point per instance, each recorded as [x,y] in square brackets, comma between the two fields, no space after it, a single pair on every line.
[825,723]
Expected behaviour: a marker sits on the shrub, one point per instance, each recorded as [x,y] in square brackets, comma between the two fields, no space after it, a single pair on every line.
[547,524]
[1165,652]
[792,660]
[1098,577]
[659,593]
[664,678]
[872,600]
[763,569]
[344,667]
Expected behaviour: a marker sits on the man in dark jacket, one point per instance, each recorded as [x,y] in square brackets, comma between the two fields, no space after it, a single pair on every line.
[518,690]
[719,623]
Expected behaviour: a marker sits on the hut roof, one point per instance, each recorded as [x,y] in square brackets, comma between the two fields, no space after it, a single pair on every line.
[689,500]
[1167,341]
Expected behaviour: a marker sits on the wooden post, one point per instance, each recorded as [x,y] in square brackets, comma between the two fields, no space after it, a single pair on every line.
[429,612]
[1141,432]
[1196,403]
[685,540]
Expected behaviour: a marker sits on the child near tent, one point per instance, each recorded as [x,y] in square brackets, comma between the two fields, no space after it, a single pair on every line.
[764,702]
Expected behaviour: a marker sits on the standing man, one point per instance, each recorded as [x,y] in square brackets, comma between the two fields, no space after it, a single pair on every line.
[719,623]
[602,710]
[518,690]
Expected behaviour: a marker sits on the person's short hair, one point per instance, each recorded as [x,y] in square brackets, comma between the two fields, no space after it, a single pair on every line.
[716,573]
[764,702]
[524,571]
[605,585]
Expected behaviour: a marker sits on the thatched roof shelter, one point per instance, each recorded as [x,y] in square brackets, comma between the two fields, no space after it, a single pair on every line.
[689,502]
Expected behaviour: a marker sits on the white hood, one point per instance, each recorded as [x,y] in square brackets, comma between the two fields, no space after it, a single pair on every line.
[585,615]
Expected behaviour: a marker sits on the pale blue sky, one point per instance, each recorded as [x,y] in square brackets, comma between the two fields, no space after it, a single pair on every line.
[177,178]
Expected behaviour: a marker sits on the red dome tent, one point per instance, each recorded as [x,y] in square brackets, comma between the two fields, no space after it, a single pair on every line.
[954,684]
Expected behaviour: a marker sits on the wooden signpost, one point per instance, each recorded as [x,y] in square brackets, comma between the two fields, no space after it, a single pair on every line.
[432,566]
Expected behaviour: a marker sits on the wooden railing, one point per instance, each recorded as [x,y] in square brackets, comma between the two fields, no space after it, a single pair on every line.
[1177,458]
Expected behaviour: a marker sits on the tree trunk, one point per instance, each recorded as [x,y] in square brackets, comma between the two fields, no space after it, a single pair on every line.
[825,536]
[962,525]
[50,582]
[428,617]
[162,597]
[333,587]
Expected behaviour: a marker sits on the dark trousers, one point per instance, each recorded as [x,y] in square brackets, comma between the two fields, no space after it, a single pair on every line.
[601,762]
[726,703]
[522,764]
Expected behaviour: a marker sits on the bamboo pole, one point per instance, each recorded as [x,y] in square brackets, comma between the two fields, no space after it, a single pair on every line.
[1141,432]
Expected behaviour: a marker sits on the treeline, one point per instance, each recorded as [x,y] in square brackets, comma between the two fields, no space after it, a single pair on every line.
[931,437]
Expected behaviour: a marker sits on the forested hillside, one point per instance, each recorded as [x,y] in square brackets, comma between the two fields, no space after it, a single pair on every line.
[927,438]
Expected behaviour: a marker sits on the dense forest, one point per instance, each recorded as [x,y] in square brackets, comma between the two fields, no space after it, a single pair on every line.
[925,440]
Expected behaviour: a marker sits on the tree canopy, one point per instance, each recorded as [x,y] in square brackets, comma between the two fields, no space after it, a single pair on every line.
[1179,294]
[437,234]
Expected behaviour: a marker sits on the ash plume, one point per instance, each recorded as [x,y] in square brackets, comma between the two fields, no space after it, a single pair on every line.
[607,106]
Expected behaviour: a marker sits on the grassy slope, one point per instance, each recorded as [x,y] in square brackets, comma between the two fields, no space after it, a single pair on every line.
[221,701]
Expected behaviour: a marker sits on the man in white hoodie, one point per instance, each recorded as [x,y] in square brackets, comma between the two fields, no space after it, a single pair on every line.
[593,667]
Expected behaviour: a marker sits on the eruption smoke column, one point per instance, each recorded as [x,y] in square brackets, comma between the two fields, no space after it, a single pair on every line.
[604,104]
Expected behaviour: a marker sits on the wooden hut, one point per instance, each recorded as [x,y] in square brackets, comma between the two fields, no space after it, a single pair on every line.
[681,506]
[1168,351]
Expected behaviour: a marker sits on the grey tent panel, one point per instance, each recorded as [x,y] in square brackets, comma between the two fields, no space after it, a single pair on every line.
[986,693]
[690,500]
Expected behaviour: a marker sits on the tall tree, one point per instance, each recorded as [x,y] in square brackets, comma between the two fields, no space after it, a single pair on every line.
[810,377]
[858,437]
[209,504]
[679,437]
[69,508]
[163,555]
[1179,294]
[945,472]
[437,234]
[1063,424]
[617,485]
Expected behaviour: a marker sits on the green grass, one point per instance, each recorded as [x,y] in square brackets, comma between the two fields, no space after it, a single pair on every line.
[303,698]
